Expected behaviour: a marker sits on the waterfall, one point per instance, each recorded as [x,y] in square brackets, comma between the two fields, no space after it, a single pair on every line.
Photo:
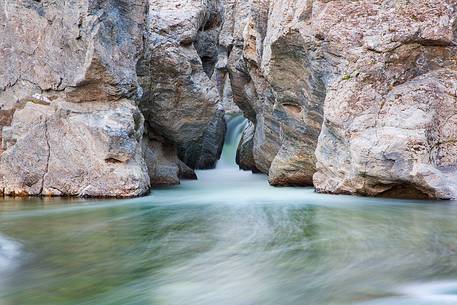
[235,126]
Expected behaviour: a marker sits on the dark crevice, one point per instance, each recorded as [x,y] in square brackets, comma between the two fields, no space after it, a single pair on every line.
[404,191]
[46,135]
[112,160]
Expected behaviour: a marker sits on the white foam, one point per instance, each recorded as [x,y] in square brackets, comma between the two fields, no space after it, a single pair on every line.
[10,252]
[443,291]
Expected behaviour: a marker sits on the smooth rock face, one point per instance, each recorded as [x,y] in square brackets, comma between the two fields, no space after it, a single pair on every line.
[244,154]
[164,166]
[162,163]
[180,101]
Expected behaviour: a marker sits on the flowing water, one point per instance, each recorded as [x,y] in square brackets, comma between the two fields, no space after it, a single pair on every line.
[228,239]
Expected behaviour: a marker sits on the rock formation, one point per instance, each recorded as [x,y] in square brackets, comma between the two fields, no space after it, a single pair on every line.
[278,76]
[70,90]
[67,76]
[180,102]
[104,98]
[353,97]
[390,122]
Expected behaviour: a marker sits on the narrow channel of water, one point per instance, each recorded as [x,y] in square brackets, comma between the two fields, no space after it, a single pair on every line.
[235,127]
[228,239]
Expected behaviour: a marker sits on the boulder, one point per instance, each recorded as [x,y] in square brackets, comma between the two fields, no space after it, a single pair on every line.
[68,149]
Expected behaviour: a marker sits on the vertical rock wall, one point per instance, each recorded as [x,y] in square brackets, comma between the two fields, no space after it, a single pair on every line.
[279,76]
[69,95]
[353,97]
[104,97]
[180,102]
[390,127]
[68,76]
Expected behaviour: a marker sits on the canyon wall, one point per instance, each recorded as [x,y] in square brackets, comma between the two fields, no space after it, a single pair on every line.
[354,97]
[279,76]
[105,98]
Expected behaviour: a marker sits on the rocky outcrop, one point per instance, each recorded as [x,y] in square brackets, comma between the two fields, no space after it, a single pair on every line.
[390,127]
[180,101]
[68,78]
[278,76]
[69,94]
[353,97]
[250,91]
[75,150]
[103,98]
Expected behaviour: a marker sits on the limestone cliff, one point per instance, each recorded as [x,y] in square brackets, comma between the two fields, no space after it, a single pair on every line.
[390,123]
[180,102]
[104,98]
[279,76]
[77,80]
[355,97]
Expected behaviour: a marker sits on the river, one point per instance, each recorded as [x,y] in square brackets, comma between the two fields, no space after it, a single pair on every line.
[228,239]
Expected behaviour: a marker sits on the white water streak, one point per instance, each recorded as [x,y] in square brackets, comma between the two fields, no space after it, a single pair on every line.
[10,251]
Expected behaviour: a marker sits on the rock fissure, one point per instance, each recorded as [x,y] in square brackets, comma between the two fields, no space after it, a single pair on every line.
[48,157]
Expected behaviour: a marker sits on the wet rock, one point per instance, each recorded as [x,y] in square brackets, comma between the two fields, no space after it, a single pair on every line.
[244,154]
[162,163]
[185,172]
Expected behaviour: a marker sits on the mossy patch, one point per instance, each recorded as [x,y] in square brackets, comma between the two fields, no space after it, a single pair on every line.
[346,77]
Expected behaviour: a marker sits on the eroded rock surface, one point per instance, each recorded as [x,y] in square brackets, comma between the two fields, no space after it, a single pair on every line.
[75,150]
[390,127]
[353,97]
[69,93]
[67,75]
[180,101]
[278,76]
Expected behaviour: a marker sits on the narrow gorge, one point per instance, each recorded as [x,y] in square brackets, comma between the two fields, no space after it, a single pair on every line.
[110,98]
[228,152]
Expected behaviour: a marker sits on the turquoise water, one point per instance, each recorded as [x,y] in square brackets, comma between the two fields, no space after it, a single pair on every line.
[228,239]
